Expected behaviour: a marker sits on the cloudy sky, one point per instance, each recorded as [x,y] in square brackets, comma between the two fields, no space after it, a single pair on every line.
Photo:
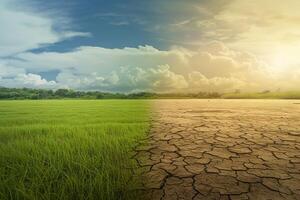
[161,46]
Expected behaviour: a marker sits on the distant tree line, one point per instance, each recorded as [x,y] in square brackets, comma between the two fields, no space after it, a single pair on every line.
[27,93]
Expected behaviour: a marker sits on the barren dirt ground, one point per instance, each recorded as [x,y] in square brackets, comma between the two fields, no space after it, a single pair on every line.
[222,149]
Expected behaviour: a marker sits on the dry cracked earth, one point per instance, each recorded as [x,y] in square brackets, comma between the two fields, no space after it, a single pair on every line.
[221,149]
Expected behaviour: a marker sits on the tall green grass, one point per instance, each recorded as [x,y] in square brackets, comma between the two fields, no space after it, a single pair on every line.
[69,149]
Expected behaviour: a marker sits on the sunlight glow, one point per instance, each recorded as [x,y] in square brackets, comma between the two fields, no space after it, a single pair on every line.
[282,59]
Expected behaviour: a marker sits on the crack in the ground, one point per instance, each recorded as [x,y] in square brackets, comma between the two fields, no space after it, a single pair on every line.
[233,151]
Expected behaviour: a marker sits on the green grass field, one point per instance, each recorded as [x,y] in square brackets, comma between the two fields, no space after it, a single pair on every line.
[69,149]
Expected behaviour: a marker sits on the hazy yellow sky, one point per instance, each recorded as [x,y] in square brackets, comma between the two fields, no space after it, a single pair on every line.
[268,31]
[268,28]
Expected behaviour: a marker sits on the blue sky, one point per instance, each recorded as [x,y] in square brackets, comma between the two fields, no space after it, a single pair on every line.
[112,24]
[130,23]
[161,46]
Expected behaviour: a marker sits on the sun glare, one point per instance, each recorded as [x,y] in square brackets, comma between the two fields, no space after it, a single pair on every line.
[279,61]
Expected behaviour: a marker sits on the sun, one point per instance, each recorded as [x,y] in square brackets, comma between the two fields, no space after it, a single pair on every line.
[279,61]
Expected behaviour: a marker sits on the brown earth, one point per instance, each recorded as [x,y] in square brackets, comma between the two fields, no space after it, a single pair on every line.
[221,149]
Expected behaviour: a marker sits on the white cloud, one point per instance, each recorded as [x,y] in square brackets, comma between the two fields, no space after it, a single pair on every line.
[22,29]
[9,71]
[126,79]
[214,67]
[27,80]
[18,77]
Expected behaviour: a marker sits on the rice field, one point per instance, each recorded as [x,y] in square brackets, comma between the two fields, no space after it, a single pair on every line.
[69,149]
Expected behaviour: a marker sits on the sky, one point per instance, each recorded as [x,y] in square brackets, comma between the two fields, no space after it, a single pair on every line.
[156,46]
